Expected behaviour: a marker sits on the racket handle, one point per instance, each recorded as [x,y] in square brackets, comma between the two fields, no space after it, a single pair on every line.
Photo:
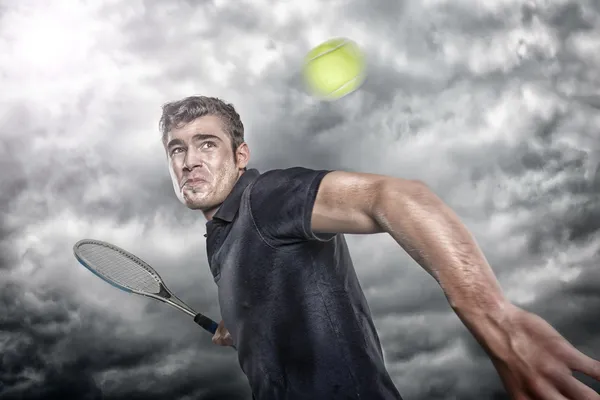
[206,323]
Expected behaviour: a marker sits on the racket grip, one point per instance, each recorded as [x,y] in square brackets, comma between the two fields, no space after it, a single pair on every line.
[206,323]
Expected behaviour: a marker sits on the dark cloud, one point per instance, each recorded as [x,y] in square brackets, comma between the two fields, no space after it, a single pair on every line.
[66,346]
[569,19]
[492,104]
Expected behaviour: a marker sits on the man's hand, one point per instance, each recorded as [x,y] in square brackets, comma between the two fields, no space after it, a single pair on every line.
[533,360]
[222,336]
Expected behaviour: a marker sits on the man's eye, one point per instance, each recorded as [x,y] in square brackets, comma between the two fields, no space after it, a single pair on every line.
[208,145]
[175,150]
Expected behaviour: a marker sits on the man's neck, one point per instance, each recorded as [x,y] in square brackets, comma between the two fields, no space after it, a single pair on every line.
[209,214]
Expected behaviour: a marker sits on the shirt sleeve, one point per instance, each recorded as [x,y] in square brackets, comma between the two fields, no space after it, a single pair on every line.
[281,203]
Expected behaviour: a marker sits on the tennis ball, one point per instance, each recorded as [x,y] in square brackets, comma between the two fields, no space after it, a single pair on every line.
[334,69]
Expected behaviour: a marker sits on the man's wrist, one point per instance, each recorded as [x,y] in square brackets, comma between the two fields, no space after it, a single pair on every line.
[488,323]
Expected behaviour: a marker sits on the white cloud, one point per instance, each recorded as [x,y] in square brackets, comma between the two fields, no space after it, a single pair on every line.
[495,113]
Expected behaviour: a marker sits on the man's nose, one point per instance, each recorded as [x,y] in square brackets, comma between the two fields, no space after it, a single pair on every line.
[193,159]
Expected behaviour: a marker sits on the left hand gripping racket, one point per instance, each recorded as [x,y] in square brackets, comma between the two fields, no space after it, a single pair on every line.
[129,273]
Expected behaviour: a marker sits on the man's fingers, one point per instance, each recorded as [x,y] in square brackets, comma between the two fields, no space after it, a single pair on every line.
[585,364]
[222,340]
[575,390]
[227,339]
[222,337]
[542,389]
[217,338]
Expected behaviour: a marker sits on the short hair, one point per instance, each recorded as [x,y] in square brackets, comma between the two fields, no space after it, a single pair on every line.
[184,111]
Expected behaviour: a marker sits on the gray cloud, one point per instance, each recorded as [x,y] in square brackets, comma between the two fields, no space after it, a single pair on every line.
[493,104]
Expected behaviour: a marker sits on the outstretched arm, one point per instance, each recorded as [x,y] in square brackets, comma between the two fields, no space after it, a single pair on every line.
[533,360]
[427,229]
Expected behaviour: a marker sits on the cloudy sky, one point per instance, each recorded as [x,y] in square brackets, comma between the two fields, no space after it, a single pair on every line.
[495,104]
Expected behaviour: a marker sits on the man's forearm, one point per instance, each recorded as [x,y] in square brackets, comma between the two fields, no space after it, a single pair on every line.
[435,237]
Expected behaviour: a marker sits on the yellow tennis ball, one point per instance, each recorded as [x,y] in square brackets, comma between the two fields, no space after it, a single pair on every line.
[334,68]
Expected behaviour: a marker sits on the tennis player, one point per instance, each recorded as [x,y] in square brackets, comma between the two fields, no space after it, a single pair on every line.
[290,299]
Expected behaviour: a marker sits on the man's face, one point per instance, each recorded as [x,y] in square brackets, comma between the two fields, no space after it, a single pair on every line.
[202,164]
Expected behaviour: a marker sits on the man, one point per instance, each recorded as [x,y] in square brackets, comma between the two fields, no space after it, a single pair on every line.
[290,299]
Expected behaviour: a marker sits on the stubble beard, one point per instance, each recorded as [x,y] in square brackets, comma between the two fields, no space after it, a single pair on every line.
[205,198]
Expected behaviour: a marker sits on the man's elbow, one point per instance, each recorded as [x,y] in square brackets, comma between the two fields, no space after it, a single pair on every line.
[397,195]
[397,190]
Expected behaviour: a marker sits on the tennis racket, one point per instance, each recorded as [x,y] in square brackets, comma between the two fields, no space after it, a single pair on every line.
[129,273]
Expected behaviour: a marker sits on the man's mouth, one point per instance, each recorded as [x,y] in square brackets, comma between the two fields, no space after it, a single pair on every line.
[193,181]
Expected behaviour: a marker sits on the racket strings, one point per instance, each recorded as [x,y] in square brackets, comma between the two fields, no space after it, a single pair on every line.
[120,268]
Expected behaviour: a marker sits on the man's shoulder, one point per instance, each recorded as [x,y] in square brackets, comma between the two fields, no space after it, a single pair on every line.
[284,181]
[290,174]
[281,201]
[286,173]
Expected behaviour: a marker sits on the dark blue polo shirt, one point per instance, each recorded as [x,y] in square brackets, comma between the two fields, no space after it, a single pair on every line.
[291,299]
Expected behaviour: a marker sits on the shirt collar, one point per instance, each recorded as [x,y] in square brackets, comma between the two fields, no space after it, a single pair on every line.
[230,206]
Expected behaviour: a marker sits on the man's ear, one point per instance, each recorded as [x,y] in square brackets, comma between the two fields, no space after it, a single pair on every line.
[242,155]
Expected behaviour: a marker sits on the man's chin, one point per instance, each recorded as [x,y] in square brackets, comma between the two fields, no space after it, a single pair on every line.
[194,201]
[203,205]
[197,205]
[194,206]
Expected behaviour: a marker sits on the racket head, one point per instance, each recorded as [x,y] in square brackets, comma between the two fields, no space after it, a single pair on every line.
[118,267]
[130,273]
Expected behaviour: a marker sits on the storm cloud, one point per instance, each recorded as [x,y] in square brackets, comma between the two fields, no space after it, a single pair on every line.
[494,104]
